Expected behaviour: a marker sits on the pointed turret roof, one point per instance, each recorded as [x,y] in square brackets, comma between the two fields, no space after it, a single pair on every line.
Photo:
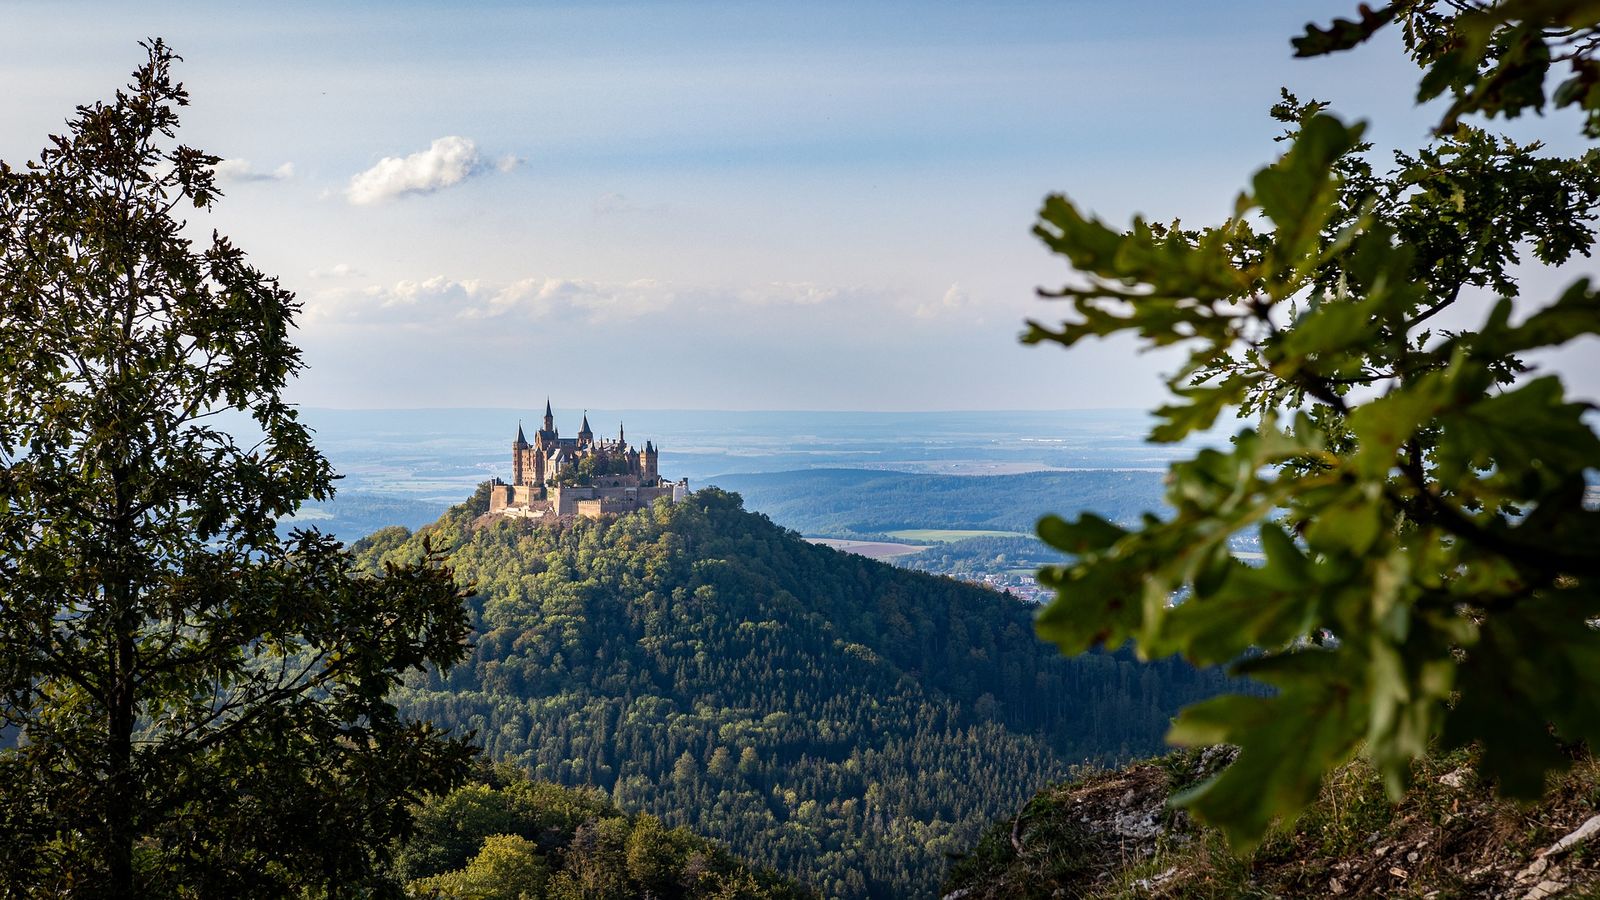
[547,407]
[585,428]
[520,439]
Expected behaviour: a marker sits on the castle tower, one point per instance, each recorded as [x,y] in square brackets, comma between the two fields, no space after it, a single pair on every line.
[517,448]
[617,477]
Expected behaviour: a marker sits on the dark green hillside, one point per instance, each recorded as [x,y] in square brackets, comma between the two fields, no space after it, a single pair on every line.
[861,501]
[832,717]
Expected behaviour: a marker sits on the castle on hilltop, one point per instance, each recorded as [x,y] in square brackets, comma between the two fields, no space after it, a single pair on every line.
[582,476]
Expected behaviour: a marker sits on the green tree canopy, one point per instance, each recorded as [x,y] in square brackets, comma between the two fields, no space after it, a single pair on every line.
[518,838]
[1493,58]
[507,867]
[192,705]
[879,716]
[1419,491]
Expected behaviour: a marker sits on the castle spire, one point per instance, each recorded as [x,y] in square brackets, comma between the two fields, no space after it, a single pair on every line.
[517,450]
[620,441]
[549,418]
[585,428]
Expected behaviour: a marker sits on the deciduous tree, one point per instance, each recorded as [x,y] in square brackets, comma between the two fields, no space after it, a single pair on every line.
[1419,490]
[194,706]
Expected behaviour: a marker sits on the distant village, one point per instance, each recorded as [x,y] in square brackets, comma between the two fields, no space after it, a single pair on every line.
[1019,585]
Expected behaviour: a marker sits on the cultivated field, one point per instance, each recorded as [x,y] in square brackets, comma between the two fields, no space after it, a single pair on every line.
[950,535]
[871,549]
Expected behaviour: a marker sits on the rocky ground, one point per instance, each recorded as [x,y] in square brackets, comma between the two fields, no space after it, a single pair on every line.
[1110,834]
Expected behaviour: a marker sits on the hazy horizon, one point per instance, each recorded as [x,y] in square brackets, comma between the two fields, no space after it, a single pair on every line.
[407,466]
[534,412]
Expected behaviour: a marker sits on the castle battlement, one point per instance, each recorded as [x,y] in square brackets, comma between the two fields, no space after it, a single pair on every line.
[579,476]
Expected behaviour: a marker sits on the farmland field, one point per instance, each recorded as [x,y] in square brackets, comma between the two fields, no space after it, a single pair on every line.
[949,535]
[870,549]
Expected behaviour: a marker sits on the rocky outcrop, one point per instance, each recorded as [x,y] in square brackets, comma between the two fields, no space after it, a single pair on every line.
[1112,834]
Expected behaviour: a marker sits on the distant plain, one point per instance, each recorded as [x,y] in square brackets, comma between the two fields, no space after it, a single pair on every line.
[405,467]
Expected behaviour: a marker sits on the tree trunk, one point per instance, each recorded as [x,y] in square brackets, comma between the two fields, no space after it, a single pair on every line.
[121,782]
[120,791]
[121,785]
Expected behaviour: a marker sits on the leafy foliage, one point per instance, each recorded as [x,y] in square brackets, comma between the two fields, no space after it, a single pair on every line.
[1108,835]
[834,718]
[513,838]
[1430,560]
[1490,57]
[199,707]
[588,468]
[355,514]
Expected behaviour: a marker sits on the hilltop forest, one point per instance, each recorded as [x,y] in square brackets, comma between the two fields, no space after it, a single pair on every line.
[834,718]
[504,836]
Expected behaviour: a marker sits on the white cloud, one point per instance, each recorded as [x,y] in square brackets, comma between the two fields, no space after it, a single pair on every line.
[954,300]
[790,293]
[244,170]
[337,270]
[446,163]
[439,299]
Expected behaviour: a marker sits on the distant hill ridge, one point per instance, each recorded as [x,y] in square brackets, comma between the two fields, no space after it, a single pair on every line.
[838,719]
[866,501]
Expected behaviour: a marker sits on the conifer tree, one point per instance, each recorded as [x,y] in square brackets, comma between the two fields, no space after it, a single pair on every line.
[191,704]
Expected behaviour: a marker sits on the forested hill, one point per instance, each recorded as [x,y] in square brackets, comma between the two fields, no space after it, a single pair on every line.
[824,714]
[863,501]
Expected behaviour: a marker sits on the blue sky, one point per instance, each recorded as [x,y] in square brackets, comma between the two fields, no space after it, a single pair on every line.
[702,205]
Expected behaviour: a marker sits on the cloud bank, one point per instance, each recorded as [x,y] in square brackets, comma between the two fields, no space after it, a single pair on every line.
[243,170]
[337,270]
[447,162]
[955,300]
[439,299]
